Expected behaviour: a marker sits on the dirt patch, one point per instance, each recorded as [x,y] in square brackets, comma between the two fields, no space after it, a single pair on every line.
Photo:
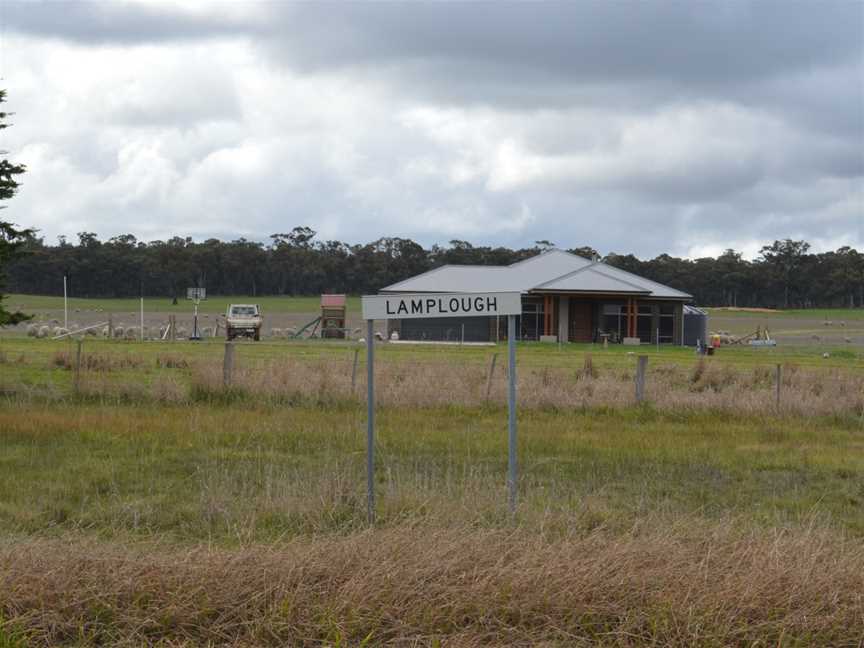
[741,309]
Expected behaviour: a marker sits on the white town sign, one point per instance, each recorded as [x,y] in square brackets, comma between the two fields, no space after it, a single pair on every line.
[383,307]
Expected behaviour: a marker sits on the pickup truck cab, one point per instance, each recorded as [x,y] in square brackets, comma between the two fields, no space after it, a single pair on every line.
[243,320]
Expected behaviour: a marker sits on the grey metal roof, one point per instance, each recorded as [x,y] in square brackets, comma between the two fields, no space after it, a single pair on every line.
[554,270]
[591,278]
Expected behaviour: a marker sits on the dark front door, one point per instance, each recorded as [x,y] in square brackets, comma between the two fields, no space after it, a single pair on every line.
[581,329]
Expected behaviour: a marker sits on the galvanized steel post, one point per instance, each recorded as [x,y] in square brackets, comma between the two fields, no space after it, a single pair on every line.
[511,410]
[370,421]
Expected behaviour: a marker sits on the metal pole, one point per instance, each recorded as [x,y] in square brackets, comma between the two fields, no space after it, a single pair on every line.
[65,306]
[511,411]
[463,335]
[370,422]
[142,319]
[195,322]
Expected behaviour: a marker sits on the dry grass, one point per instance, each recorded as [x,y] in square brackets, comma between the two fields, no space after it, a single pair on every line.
[669,387]
[94,361]
[692,585]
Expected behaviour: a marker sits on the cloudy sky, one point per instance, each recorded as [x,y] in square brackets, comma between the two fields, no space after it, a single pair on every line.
[683,127]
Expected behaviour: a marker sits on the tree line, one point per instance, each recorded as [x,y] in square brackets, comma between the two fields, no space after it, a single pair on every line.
[785,274]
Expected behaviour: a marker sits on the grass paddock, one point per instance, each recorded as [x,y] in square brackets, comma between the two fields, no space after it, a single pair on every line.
[145,503]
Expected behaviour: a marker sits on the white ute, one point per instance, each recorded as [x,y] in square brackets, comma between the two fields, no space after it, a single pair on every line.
[243,320]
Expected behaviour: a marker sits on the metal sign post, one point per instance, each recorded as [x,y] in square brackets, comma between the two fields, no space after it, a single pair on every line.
[414,306]
[370,421]
[511,411]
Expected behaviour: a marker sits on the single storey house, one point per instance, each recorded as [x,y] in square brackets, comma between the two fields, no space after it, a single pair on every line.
[565,298]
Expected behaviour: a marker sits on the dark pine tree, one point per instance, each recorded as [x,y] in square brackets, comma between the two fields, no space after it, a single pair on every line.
[11,238]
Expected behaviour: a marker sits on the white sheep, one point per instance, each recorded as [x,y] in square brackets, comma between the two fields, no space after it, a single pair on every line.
[276,333]
[43,332]
[118,332]
[32,330]
[91,332]
[131,333]
[182,332]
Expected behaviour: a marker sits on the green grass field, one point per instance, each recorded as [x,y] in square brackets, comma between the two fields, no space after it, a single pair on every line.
[218,304]
[42,303]
[833,314]
[151,505]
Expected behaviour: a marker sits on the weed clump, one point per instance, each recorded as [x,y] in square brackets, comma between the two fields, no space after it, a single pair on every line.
[100,362]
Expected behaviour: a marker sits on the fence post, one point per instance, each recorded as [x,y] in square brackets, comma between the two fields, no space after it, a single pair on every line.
[588,366]
[228,364]
[779,381]
[77,380]
[110,327]
[640,378]
[354,370]
[491,372]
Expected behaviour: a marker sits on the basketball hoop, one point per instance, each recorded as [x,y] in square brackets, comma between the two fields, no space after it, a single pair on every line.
[195,295]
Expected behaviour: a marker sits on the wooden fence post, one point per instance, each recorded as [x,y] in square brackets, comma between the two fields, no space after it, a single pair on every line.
[111,327]
[354,370]
[491,372]
[779,381]
[640,378]
[77,379]
[228,364]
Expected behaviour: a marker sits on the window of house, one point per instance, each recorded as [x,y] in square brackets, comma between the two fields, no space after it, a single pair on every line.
[614,321]
[667,323]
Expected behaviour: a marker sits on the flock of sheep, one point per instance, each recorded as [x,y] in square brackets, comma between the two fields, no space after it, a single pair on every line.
[53,329]
[120,332]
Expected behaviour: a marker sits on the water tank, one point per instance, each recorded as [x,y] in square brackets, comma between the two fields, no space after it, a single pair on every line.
[695,325]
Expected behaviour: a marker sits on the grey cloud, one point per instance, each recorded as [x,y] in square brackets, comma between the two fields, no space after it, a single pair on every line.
[582,42]
[91,22]
[594,41]
[563,81]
